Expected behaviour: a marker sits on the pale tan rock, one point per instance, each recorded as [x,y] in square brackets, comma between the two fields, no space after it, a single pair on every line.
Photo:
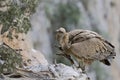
[30,56]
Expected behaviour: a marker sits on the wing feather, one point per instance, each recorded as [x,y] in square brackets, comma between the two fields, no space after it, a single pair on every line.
[89,44]
[90,49]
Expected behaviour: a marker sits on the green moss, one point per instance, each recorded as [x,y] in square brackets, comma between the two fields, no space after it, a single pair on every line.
[10,58]
[17,15]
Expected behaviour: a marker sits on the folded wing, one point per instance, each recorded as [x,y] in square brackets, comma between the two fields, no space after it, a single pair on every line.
[90,45]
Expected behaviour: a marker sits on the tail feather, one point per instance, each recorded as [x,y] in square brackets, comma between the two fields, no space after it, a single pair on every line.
[109,44]
[106,62]
[110,50]
[112,55]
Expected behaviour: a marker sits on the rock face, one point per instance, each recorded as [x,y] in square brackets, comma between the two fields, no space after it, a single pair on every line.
[63,72]
[49,72]
[39,34]
[30,56]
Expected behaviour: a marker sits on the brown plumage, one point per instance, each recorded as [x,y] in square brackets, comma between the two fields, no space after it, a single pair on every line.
[86,46]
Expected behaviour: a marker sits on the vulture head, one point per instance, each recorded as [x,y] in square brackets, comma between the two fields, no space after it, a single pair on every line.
[62,37]
[60,33]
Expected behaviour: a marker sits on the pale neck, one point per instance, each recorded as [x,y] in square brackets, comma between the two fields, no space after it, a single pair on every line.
[64,41]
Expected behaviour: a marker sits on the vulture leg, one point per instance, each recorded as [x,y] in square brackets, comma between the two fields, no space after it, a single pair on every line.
[82,66]
[68,57]
[65,55]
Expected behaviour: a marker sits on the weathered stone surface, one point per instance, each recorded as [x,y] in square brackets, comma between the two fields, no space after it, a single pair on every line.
[52,72]
[30,56]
